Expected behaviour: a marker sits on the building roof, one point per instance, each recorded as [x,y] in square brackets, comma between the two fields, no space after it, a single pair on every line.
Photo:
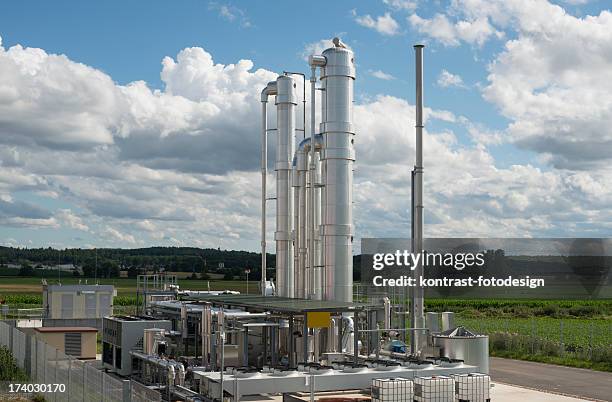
[66,329]
[279,304]
[79,288]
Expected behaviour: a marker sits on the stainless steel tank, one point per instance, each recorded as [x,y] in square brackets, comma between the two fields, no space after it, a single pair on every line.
[149,337]
[460,343]
[448,320]
[286,102]
[337,80]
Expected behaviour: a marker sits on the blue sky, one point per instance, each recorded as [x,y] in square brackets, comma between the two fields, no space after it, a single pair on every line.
[476,46]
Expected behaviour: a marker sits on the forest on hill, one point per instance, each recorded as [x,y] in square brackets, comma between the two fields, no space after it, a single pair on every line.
[107,262]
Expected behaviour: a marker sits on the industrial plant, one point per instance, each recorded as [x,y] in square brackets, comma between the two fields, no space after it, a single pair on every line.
[304,336]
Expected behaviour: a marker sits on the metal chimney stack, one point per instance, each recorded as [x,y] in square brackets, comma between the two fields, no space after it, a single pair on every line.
[417,317]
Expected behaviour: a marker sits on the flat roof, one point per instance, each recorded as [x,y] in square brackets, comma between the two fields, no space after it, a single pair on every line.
[279,304]
[66,329]
[83,287]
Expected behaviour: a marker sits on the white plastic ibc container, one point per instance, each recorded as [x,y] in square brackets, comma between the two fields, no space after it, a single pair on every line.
[434,389]
[392,390]
[472,387]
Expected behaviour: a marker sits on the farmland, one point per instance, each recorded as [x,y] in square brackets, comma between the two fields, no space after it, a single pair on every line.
[569,332]
[16,290]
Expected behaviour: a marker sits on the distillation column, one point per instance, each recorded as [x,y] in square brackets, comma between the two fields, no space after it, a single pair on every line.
[337,79]
[286,102]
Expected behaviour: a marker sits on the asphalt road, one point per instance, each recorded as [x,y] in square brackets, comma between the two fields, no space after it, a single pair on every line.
[547,377]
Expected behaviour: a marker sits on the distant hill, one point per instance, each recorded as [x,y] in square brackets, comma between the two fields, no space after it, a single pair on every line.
[108,261]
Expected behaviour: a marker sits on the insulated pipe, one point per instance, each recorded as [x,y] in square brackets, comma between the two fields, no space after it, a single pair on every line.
[312,263]
[337,79]
[206,328]
[270,89]
[313,258]
[302,167]
[286,101]
[417,319]
[304,284]
[318,288]
[297,268]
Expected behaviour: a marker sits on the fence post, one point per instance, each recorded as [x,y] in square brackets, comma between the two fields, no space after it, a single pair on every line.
[84,382]
[561,337]
[533,337]
[56,380]
[126,390]
[590,340]
[69,375]
[45,361]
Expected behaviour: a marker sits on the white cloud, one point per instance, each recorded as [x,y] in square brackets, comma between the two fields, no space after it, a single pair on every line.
[171,168]
[446,79]
[116,235]
[401,4]
[576,2]
[474,31]
[553,80]
[231,13]
[69,219]
[466,193]
[383,24]
[316,48]
[381,75]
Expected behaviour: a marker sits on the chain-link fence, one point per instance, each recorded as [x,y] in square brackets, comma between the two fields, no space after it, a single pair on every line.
[16,312]
[80,380]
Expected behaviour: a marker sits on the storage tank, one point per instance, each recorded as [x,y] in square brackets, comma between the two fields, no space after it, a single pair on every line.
[149,337]
[459,343]
[337,80]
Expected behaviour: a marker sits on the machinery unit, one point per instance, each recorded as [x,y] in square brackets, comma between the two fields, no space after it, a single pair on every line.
[78,301]
[122,334]
[460,343]
[314,219]
[303,333]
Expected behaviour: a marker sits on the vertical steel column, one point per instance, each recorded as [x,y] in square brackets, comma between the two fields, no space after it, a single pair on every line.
[264,174]
[337,79]
[205,334]
[286,101]
[270,89]
[274,345]
[356,337]
[305,338]
[291,341]
[314,272]
[417,319]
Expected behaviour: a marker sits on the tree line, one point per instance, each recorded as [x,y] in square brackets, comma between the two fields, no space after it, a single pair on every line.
[108,262]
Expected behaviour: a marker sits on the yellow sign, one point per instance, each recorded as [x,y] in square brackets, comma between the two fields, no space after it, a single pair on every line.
[318,319]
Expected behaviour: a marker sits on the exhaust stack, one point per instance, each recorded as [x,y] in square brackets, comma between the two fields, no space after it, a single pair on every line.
[417,318]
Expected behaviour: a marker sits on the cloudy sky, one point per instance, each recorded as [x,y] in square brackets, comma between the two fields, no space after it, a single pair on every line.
[125,125]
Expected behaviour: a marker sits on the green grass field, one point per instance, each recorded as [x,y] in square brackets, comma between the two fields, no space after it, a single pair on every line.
[568,332]
[12,286]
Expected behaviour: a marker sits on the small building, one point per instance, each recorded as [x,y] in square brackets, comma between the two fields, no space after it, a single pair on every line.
[79,342]
[78,301]
[122,334]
